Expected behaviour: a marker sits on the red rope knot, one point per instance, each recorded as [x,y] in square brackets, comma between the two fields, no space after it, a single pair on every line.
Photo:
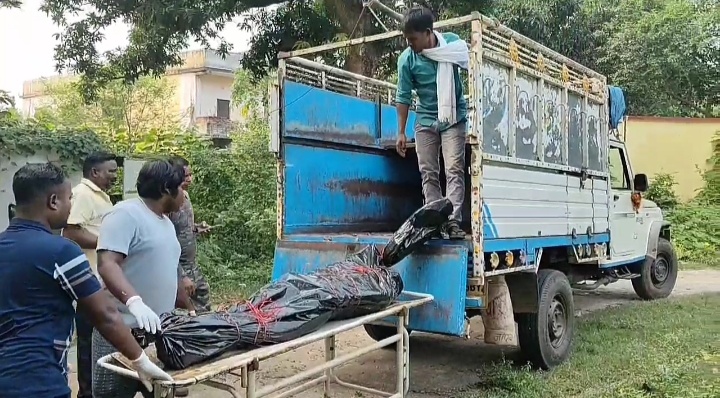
[264,316]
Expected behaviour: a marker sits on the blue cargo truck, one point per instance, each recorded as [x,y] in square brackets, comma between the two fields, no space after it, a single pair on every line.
[551,204]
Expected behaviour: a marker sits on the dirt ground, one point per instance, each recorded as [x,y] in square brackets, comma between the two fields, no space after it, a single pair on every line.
[439,366]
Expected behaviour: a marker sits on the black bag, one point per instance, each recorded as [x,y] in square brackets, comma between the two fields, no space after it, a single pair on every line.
[427,222]
[294,306]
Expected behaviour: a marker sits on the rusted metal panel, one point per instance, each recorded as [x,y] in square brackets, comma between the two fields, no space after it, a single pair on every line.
[336,190]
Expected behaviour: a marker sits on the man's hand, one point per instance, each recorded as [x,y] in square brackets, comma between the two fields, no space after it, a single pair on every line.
[203,228]
[148,371]
[188,285]
[401,144]
[147,319]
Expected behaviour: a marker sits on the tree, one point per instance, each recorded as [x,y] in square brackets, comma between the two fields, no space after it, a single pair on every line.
[665,53]
[566,26]
[131,117]
[304,23]
[6,99]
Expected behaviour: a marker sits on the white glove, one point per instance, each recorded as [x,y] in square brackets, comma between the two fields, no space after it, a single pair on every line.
[192,313]
[148,371]
[146,318]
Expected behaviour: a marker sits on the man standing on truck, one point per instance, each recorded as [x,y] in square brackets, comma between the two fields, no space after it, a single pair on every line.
[430,66]
[90,202]
[42,277]
[138,260]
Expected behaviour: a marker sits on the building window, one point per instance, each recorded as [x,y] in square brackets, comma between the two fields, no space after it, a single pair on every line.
[223,109]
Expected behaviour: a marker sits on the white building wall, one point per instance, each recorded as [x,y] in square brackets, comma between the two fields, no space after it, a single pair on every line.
[32,104]
[186,92]
[210,88]
[8,168]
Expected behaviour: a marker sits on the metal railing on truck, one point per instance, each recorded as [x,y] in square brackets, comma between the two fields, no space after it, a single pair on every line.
[492,45]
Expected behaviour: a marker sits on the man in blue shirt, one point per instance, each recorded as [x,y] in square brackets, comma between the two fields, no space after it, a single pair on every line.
[419,68]
[42,278]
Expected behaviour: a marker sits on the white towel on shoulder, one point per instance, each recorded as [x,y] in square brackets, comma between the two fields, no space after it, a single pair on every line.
[446,55]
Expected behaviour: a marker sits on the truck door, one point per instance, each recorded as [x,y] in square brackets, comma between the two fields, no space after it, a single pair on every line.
[623,231]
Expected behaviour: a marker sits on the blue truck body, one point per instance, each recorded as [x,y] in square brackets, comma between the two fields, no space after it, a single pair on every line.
[541,189]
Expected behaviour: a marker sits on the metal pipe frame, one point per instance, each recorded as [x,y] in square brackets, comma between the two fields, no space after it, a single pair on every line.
[487,22]
[321,374]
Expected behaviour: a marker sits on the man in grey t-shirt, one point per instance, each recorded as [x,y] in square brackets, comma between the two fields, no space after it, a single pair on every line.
[138,261]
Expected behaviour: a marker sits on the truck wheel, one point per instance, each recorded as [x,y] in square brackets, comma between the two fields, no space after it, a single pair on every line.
[657,279]
[546,337]
[379,332]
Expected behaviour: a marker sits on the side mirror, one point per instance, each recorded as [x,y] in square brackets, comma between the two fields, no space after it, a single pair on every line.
[640,182]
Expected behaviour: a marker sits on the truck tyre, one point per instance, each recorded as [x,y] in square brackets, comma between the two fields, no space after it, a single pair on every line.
[657,279]
[546,337]
[380,332]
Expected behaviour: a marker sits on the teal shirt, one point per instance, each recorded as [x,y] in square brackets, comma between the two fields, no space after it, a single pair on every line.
[415,71]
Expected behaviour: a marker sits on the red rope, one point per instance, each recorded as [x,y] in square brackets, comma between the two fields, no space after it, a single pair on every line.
[264,316]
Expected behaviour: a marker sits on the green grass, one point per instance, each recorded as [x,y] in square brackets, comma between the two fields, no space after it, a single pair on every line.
[694,266]
[663,349]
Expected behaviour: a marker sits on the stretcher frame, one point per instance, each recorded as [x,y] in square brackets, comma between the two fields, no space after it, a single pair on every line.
[248,363]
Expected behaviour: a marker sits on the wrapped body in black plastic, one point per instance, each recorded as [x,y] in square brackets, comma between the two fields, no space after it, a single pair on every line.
[297,305]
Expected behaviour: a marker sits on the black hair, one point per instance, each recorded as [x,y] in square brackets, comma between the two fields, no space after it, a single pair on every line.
[418,19]
[95,159]
[34,181]
[180,161]
[158,177]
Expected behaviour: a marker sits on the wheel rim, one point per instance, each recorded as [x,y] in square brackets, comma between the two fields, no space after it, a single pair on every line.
[557,321]
[660,271]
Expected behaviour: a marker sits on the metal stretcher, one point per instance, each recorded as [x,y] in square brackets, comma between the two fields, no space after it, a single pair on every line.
[248,362]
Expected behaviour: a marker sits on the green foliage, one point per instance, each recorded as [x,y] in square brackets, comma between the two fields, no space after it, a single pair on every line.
[134,108]
[235,191]
[304,23]
[696,232]
[662,191]
[27,137]
[6,100]
[695,225]
[711,191]
[665,54]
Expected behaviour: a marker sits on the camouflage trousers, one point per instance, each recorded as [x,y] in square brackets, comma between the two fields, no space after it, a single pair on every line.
[201,297]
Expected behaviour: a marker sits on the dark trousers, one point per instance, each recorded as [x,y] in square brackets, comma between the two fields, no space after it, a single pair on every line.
[84,356]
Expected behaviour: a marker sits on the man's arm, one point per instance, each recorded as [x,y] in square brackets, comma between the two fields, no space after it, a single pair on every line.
[75,277]
[117,232]
[183,298]
[104,316]
[81,236]
[80,213]
[403,96]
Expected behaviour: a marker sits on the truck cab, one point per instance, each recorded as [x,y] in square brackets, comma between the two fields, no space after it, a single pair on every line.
[640,237]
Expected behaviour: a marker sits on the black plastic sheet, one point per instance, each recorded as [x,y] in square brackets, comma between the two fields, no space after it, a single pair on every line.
[294,306]
[426,223]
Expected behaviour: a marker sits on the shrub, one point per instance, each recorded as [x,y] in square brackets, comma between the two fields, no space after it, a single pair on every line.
[696,232]
[234,189]
[662,191]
